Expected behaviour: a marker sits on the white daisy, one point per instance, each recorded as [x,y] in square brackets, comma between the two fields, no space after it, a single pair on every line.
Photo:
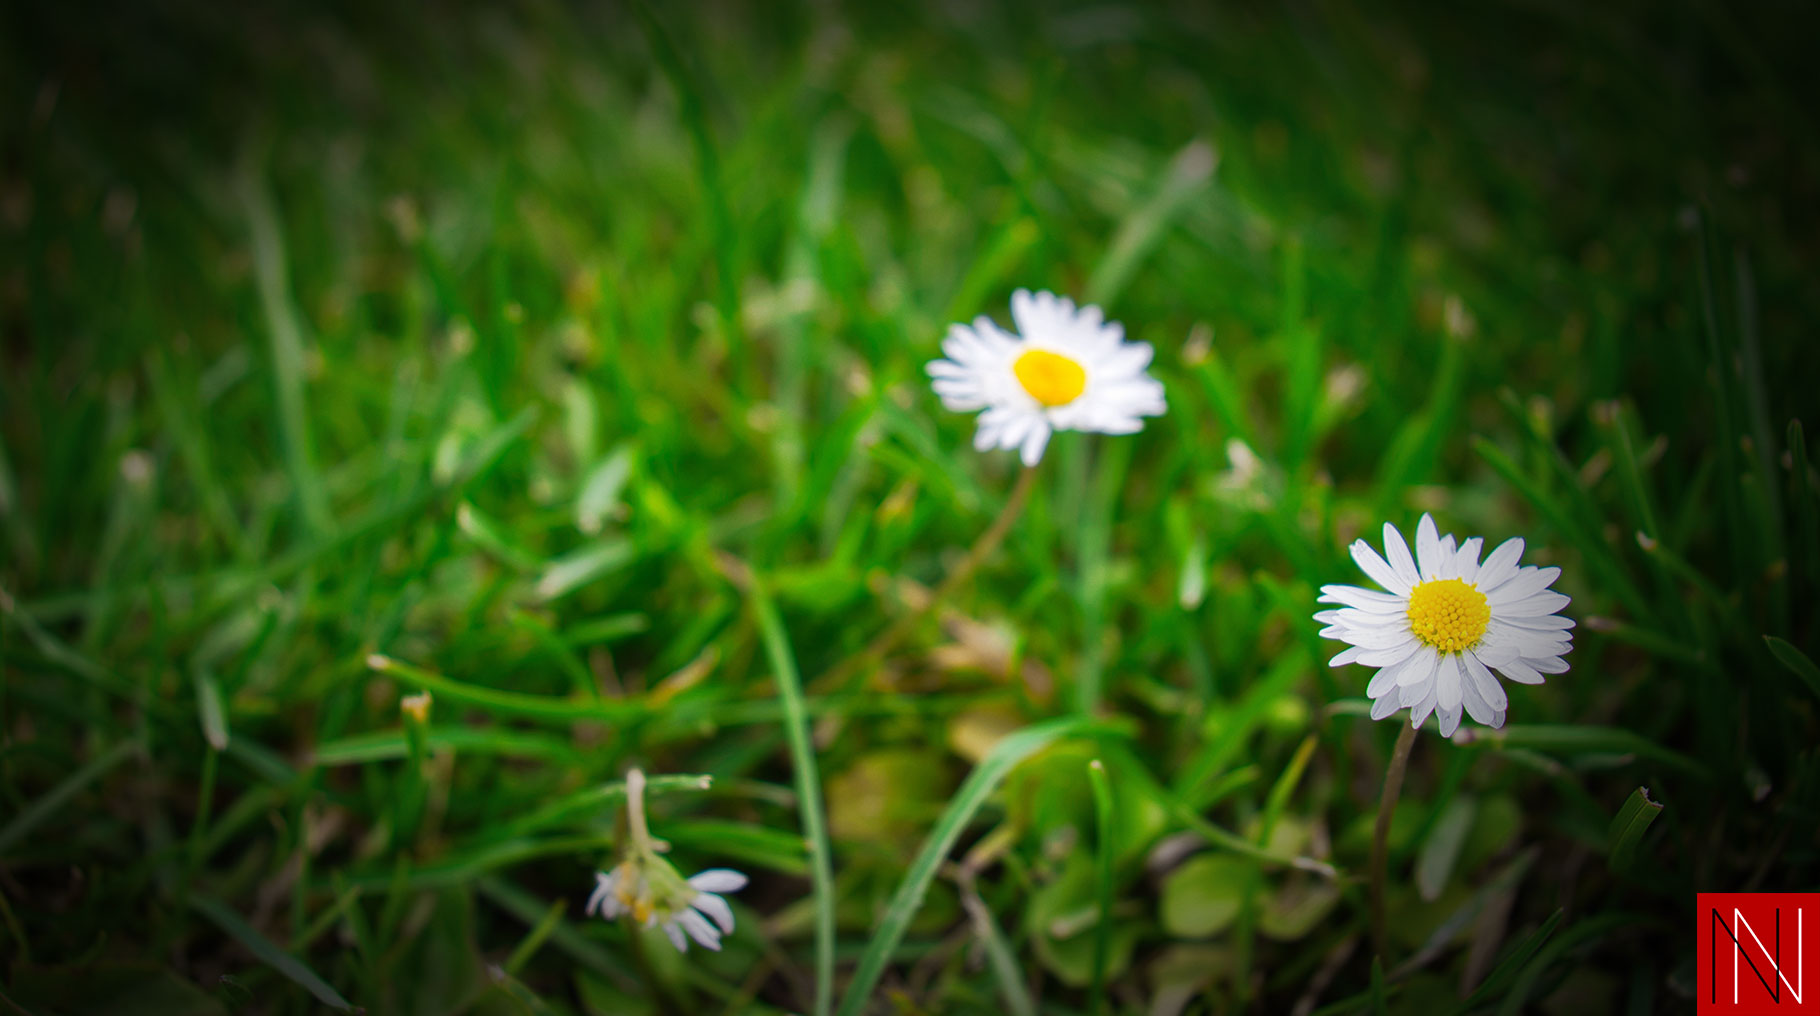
[650,890]
[1447,621]
[645,885]
[1069,369]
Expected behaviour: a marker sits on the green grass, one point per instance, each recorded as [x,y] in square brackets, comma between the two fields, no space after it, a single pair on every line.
[568,366]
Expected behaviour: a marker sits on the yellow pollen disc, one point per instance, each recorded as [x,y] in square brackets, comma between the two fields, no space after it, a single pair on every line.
[641,911]
[1448,614]
[1050,378]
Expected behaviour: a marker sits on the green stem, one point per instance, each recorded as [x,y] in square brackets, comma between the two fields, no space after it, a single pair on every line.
[976,555]
[1380,837]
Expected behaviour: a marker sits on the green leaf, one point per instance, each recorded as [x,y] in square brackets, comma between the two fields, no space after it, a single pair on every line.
[1298,908]
[267,952]
[1064,918]
[1203,896]
[980,784]
[1628,827]
[1435,861]
[1796,661]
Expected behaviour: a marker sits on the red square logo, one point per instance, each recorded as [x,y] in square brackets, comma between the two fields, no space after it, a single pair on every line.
[1754,951]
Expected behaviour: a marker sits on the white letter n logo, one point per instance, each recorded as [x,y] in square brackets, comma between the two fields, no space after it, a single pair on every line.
[1774,961]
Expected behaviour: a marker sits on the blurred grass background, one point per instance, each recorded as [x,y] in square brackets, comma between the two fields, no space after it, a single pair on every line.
[512,343]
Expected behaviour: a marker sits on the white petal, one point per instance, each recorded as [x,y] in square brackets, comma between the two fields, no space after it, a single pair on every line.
[1476,706]
[719,880]
[1520,672]
[1386,679]
[1381,637]
[1450,565]
[1379,571]
[1345,656]
[717,908]
[1034,443]
[1393,654]
[605,885]
[1487,685]
[699,929]
[1501,565]
[676,936]
[1421,708]
[1533,606]
[1450,721]
[1385,705]
[1364,599]
[1352,617]
[1546,664]
[1421,672]
[1397,553]
[1466,560]
[1502,636]
[1428,548]
[1552,623]
[1447,683]
[1527,582]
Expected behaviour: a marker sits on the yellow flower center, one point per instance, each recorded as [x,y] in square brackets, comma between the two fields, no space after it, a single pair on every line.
[1448,614]
[1050,378]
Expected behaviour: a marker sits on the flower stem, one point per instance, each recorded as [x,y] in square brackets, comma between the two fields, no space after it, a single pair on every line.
[976,555]
[635,809]
[1380,837]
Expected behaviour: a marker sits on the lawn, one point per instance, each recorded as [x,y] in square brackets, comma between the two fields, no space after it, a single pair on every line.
[446,453]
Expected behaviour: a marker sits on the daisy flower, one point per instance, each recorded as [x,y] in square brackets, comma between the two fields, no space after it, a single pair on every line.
[1446,622]
[1068,369]
[646,887]
[654,894]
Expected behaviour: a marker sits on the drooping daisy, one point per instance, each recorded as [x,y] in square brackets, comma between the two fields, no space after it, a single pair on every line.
[1068,369]
[1447,621]
[653,893]
[648,888]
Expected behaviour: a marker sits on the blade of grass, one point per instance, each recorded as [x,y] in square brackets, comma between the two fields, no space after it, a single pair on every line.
[1102,928]
[34,814]
[1005,967]
[1796,661]
[1513,962]
[1576,740]
[908,898]
[285,333]
[534,940]
[808,785]
[1628,826]
[1184,178]
[507,703]
[564,936]
[1596,551]
[268,952]
[387,745]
